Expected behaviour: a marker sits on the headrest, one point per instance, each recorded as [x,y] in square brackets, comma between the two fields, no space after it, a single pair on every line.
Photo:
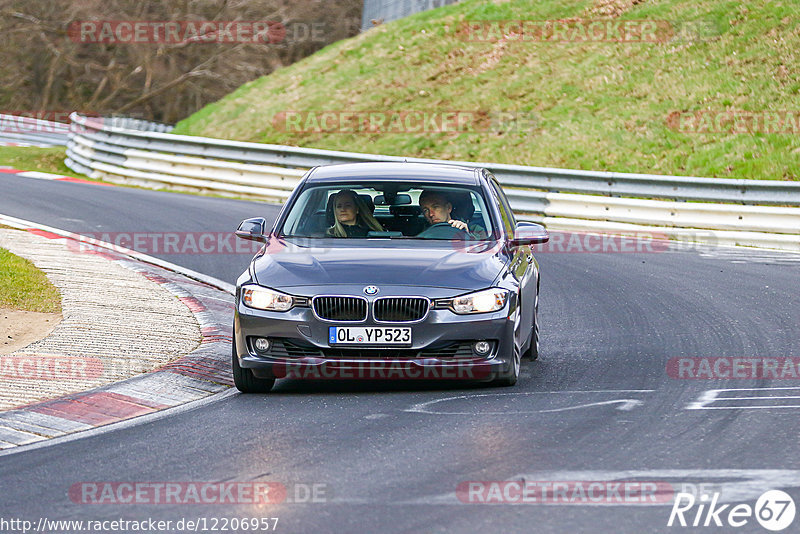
[365,199]
[329,211]
[463,208]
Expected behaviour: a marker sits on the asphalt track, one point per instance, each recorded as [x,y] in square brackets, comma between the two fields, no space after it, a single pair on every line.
[598,405]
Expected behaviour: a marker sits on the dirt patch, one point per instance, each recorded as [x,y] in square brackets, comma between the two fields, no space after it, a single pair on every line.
[18,329]
[492,58]
[612,8]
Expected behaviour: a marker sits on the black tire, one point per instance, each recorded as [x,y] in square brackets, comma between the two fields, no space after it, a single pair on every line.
[510,378]
[533,351]
[244,380]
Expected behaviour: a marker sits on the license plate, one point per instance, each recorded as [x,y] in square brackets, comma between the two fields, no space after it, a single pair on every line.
[369,335]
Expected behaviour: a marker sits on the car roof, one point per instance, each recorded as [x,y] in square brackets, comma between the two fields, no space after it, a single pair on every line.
[395,171]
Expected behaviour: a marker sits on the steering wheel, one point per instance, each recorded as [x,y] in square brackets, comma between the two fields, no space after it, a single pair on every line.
[442,231]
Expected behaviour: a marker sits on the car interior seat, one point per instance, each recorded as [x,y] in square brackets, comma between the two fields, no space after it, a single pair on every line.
[463,208]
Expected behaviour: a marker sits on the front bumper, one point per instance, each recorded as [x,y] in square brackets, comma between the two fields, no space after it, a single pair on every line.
[440,349]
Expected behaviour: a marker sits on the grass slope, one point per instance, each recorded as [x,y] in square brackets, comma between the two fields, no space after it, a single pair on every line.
[49,159]
[24,287]
[601,105]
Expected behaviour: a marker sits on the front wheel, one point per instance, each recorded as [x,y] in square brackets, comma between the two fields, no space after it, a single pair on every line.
[510,378]
[244,380]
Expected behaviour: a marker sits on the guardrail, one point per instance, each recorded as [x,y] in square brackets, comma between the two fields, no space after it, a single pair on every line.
[29,131]
[743,212]
[142,153]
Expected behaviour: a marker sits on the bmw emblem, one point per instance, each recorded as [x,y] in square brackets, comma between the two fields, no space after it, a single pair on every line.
[371,290]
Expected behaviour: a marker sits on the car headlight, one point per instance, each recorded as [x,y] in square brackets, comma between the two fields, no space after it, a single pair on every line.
[262,298]
[484,301]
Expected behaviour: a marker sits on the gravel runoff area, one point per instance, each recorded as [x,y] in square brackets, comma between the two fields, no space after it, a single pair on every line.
[138,335]
[116,324]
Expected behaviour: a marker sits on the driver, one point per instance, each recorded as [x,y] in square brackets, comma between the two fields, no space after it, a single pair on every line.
[437,209]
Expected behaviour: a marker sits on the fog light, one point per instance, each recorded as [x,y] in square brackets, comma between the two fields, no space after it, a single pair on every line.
[482,347]
[261,344]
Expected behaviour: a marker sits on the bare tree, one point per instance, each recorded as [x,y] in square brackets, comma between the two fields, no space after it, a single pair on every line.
[46,66]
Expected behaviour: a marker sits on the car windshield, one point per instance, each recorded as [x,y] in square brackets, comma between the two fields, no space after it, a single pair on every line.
[389,210]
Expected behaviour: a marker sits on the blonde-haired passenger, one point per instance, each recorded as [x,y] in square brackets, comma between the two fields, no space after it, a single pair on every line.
[352,217]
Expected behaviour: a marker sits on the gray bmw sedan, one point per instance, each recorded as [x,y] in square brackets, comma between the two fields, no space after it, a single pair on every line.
[388,271]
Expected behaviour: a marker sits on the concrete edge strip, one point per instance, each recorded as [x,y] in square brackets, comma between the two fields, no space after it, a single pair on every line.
[50,176]
[199,377]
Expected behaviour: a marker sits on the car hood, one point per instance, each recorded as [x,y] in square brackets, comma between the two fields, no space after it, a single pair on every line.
[286,264]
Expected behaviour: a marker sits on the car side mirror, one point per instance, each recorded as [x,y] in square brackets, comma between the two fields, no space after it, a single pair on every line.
[528,233]
[253,229]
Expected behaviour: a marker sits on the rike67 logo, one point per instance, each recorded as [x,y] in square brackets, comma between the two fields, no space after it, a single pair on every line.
[774,510]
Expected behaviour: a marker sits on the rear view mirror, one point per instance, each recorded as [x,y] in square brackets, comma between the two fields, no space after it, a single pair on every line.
[399,199]
[253,229]
[527,233]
